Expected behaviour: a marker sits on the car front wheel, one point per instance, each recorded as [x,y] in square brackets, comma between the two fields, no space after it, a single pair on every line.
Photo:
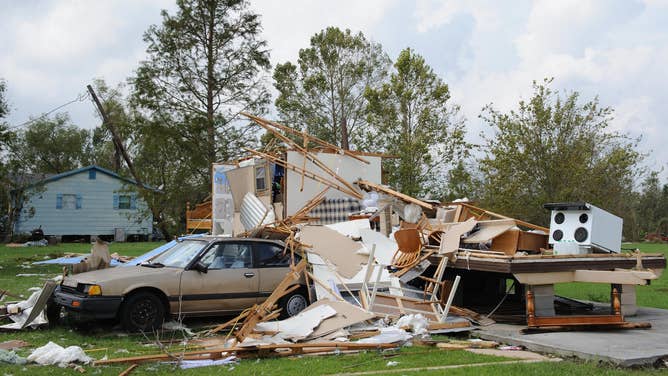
[293,303]
[142,311]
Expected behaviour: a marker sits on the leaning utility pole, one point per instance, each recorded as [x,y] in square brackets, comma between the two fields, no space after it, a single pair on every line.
[114,135]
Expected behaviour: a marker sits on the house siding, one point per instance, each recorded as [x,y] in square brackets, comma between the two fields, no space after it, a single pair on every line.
[96,215]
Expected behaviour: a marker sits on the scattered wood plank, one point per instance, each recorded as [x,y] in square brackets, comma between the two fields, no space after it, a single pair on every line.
[128,370]
[311,138]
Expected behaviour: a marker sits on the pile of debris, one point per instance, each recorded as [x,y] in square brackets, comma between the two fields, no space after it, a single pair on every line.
[390,273]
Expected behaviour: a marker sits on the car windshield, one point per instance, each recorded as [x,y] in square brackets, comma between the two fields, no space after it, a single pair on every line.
[180,255]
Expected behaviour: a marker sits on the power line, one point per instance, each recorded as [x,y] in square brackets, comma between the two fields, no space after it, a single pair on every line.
[80,98]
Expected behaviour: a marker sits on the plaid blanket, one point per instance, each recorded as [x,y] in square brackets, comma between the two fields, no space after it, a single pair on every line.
[333,210]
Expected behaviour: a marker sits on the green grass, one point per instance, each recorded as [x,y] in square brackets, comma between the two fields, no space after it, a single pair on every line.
[654,295]
[104,340]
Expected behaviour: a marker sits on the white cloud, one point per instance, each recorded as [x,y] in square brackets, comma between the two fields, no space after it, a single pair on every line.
[614,49]
[289,25]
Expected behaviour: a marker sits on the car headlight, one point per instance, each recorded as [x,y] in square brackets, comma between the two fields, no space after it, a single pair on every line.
[93,290]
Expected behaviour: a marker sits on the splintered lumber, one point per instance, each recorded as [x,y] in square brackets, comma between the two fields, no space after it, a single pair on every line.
[367,185]
[303,134]
[308,174]
[265,310]
[312,203]
[273,350]
[472,315]
[304,153]
[128,370]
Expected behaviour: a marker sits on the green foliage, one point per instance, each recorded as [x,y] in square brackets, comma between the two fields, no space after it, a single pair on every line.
[553,148]
[4,106]
[205,64]
[4,110]
[52,145]
[651,207]
[324,90]
[413,120]
[461,183]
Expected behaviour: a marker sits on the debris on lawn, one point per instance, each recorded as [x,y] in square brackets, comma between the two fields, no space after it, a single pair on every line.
[54,354]
[394,272]
[10,357]
[29,312]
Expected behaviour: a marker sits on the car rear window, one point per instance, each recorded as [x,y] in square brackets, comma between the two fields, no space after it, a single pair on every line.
[271,256]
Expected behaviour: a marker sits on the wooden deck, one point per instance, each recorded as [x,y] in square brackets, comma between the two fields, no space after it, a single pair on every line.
[551,263]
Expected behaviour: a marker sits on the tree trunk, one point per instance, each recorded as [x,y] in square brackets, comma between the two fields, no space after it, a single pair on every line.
[210,77]
[344,134]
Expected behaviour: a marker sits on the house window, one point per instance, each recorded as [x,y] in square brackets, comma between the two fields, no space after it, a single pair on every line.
[68,201]
[91,174]
[124,201]
[260,178]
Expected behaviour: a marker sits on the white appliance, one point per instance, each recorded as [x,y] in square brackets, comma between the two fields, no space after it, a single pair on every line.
[580,228]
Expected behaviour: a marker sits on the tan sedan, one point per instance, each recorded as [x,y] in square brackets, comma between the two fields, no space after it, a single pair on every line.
[197,277]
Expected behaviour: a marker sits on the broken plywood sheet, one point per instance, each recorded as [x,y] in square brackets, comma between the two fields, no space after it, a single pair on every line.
[451,237]
[352,228]
[338,249]
[346,315]
[490,230]
[385,247]
[297,327]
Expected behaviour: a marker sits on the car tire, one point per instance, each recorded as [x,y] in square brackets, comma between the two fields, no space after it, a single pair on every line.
[53,311]
[142,311]
[293,304]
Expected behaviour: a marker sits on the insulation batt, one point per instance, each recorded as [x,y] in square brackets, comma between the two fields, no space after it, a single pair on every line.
[52,353]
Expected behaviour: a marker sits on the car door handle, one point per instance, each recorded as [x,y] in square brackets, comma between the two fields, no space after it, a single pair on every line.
[249,275]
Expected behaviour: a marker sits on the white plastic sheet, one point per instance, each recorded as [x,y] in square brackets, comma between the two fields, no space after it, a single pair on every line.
[52,353]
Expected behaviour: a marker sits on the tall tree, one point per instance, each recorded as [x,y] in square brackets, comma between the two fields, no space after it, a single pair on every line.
[415,121]
[324,90]
[206,63]
[652,206]
[557,148]
[5,183]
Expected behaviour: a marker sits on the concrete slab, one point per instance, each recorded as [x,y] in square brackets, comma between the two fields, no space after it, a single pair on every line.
[623,347]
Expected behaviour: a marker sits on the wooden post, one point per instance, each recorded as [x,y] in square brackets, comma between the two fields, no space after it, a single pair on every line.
[530,308]
[114,135]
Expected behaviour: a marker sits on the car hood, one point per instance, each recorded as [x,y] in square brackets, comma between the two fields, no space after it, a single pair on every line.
[119,279]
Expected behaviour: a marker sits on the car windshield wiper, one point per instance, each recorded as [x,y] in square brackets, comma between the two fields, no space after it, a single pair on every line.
[153,265]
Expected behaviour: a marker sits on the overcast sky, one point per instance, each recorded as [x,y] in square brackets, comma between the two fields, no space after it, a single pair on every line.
[487,51]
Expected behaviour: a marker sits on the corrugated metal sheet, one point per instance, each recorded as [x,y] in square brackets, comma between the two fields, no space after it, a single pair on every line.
[254,213]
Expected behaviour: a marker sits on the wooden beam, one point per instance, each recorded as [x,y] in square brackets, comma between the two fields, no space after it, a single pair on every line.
[391,192]
[307,155]
[298,133]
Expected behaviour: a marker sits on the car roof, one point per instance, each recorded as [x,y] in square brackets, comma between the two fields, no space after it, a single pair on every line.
[213,238]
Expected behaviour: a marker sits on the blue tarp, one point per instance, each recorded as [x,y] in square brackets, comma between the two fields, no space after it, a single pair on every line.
[71,260]
[136,261]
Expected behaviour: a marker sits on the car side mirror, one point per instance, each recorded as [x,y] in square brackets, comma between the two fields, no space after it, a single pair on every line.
[200,267]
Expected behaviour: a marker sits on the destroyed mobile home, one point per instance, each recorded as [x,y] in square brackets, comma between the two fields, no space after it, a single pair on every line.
[373,268]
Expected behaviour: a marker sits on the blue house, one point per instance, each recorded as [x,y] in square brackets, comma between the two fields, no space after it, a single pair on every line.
[86,201]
